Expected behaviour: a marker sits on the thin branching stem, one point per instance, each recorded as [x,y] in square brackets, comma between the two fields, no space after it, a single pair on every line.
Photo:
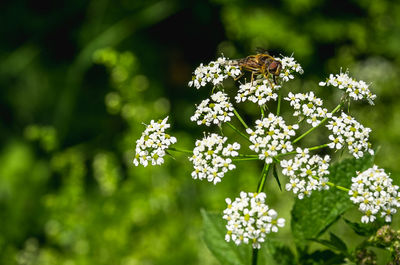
[264,175]
[310,148]
[240,119]
[180,150]
[313,128]
[238,131]
[334,185]
[254,257]
[278,109]
[245,159]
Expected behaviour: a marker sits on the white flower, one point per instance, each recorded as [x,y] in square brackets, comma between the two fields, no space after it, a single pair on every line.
[357,90]
[152,144]
[215,72]
[259,91]
[306,173]
[249,219]
[346,130]
[217,111]
[289,66]
[211,159]
[271,137]
[307,105]
[374,192]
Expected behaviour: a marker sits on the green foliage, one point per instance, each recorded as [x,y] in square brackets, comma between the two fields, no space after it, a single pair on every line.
[214,236]
[333,243]
[276,177]
[364,229]
[312,216]
[272,252]
[280,253]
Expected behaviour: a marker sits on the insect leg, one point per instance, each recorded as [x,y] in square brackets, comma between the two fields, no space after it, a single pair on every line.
[266,74]
[252,77]
[236,78]
[241,74]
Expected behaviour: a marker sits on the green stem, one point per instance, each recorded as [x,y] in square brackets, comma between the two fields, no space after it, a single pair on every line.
[260,188]
[240,118]
[333,185]
[254,156]
[180,150]
[239,132]
[313,128]
[318,147]
[262,112]
[264,175]
[276,160]
[255,256]
[310,148]
[245,159]
[278,109]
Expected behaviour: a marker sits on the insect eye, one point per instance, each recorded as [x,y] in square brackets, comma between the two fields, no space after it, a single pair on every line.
[273,66]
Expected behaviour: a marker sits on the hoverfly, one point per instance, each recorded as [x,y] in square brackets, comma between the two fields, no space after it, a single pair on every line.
[260,63]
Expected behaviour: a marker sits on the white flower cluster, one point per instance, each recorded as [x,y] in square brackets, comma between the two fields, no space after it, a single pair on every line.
[215,112]
[250,219]
[259,91]
[374,192]
[346,130]
[215,72]
[357,90]
[152,144]
[308,105]
[306,173]
[271,136]
[211,160]
[289,66]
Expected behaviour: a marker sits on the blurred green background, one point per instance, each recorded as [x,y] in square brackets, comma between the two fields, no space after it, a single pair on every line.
[78,79]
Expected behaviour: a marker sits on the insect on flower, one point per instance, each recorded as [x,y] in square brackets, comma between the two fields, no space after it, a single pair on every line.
[260,63]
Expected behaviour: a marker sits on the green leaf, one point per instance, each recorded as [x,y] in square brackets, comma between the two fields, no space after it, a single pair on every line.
[280,252]
[214,236]
[313,215]
[324,242]
[334,243]
[365,229]
[338,243]
[275,173]
[325,257]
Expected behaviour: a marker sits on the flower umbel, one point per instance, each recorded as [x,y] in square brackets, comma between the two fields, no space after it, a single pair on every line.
[309,106]
[357,90]
[375,194]
[153,143]
[215,112]
[215,72]
[346,130]
[211,159]
[271,137]
[250,219]
[289,67]
[259,91]
[306,173]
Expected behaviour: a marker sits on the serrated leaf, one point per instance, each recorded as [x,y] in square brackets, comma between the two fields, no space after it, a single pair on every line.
[313,215]
[280,253]
[324,242]
[364,229]
[275,173]
[338,243]
[334,243]
[325,257]
[214,236]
